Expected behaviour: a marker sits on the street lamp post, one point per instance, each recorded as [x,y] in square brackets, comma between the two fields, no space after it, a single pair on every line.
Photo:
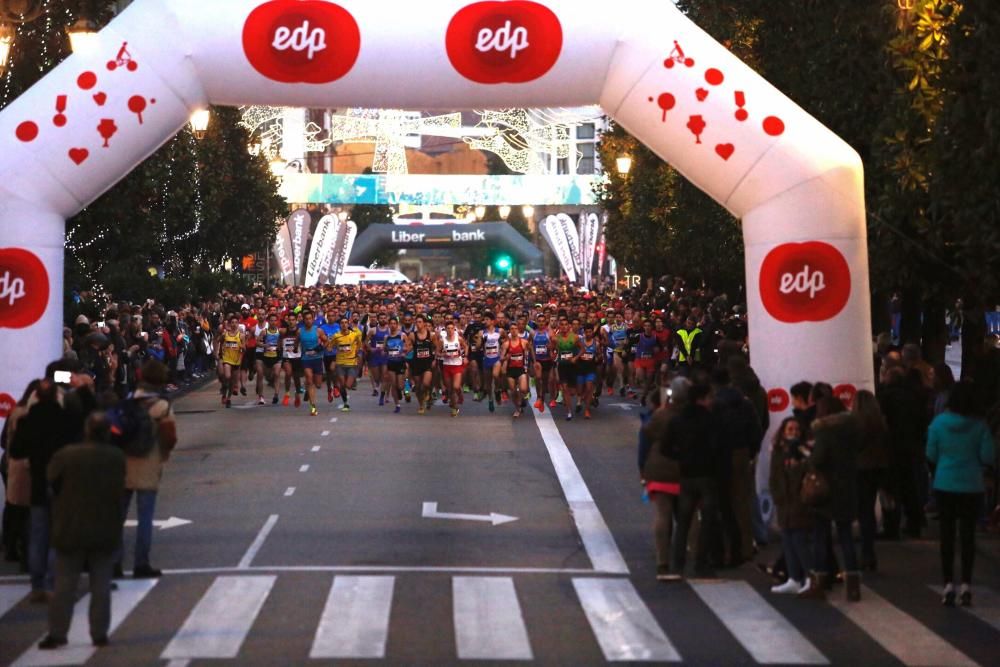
[504,211]
[83,34]
[624,164]
[199,123]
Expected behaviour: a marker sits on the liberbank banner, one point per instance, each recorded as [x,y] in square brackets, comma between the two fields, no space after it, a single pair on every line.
[435,190]
[377,238]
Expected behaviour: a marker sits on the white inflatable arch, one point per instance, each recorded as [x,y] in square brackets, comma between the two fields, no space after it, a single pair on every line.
[795,185]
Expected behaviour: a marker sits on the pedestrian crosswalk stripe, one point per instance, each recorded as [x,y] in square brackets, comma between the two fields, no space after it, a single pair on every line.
[79,649]
[355,621]
[219,623]
[757,626]
[911,642]
[11,595]
[623,625]
[488,620]
[985,605]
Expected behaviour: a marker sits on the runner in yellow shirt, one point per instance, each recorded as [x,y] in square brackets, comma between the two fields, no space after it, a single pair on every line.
[347,343]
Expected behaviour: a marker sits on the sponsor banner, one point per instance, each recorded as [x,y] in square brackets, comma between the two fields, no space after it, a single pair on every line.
[554,231]
[298,229]
[283,255]
[602,247]
[438,190]
[805,282]
[321,250]
[572,234]
[590,230]
[342,250]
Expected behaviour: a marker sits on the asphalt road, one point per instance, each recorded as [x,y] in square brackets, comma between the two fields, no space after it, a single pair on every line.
[308,544]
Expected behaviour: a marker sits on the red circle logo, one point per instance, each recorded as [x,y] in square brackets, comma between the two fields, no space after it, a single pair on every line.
[805,282]
[846,393]
[24,288]
[778,400]
[504,42]
[301,41]
[7,404]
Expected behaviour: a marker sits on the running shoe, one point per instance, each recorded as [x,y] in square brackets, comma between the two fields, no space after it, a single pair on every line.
[540,405]
[420,410]
[517,413]
[454,412]
[274,401]
[346,408]
[260,400]
[243,391]
[611,391]
[396,411]
[579,408]
[329,395]
[504,397]
[569,416]
[493,406]
[229,403]
[586,414]
[284,401]
[298,400]
[621,392]
[301,390]
[223,399]
[553,403]
[336,392]
[381,399]
[313,411]
[374,392]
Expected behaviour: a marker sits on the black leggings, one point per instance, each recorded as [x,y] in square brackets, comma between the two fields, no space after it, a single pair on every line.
[960,508]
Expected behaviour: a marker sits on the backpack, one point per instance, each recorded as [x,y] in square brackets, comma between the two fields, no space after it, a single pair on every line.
[132,429]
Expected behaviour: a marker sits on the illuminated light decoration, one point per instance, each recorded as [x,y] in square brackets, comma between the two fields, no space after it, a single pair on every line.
[388,129]
[199,123]
[7,34]
[528,139]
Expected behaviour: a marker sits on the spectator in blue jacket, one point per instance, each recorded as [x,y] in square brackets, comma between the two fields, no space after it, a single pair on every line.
[959,445]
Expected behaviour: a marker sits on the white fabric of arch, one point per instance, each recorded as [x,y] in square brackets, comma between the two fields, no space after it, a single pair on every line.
[798,192]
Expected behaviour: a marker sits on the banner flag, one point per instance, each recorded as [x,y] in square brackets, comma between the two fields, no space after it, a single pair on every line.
[283,255]
[554,232]
[298,228]
[321,249]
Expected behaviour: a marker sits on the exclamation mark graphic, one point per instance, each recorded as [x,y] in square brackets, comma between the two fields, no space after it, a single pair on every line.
[741,101]
[59,120]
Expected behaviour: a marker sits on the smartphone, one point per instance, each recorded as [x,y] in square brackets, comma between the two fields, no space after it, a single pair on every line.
[63,377]
[100,325]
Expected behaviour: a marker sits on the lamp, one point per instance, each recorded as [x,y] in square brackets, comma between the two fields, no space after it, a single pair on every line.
[480,212]
[504,211]
[83,35]
[528,210]
[624,164]
[199,123]
[278,166]
[6,42]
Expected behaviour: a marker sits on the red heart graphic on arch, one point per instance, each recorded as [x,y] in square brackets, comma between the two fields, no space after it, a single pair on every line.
[504,42]
[100,98]
[701,94]
[725,151]
[24,288]
[78,155]
[301,41]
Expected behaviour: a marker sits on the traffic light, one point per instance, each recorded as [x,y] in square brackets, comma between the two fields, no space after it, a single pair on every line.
[503,263]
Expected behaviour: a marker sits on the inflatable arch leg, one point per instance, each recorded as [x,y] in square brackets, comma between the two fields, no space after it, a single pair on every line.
[796,186]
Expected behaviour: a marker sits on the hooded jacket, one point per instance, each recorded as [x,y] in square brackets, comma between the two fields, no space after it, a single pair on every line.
[959,447]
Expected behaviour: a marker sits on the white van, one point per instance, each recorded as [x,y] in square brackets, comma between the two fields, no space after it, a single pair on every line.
[362,275]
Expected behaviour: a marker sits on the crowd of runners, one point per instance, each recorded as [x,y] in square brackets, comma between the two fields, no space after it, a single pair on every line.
[429,342]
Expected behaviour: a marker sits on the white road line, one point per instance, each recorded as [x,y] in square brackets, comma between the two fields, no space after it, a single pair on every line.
[900,634]
[316,448]
[289,491]
[304,468]
[11,595]
[333,420]
[623,625]
[355,621]
[325,433]
[488,620]
[985,605]
[258,542]
[762,631]
[597,538]
[79,649]
[219,623]
[381,568]
[178,663]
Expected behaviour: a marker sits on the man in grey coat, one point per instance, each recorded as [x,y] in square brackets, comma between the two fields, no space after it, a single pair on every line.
[87,480]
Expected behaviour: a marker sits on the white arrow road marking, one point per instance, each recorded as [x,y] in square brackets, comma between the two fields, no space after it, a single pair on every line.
[164,524]
[431,512]
[325,433]
[623,406]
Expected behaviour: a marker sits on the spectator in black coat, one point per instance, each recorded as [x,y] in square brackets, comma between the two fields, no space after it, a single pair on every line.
[905,405]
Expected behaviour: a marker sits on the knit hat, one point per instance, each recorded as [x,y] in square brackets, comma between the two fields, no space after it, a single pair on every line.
[82,319]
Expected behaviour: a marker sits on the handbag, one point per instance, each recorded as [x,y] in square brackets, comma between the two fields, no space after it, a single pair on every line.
[815,488]
[19,482]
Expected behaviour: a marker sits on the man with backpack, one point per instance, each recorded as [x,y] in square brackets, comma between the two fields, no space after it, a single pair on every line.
[144,426]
